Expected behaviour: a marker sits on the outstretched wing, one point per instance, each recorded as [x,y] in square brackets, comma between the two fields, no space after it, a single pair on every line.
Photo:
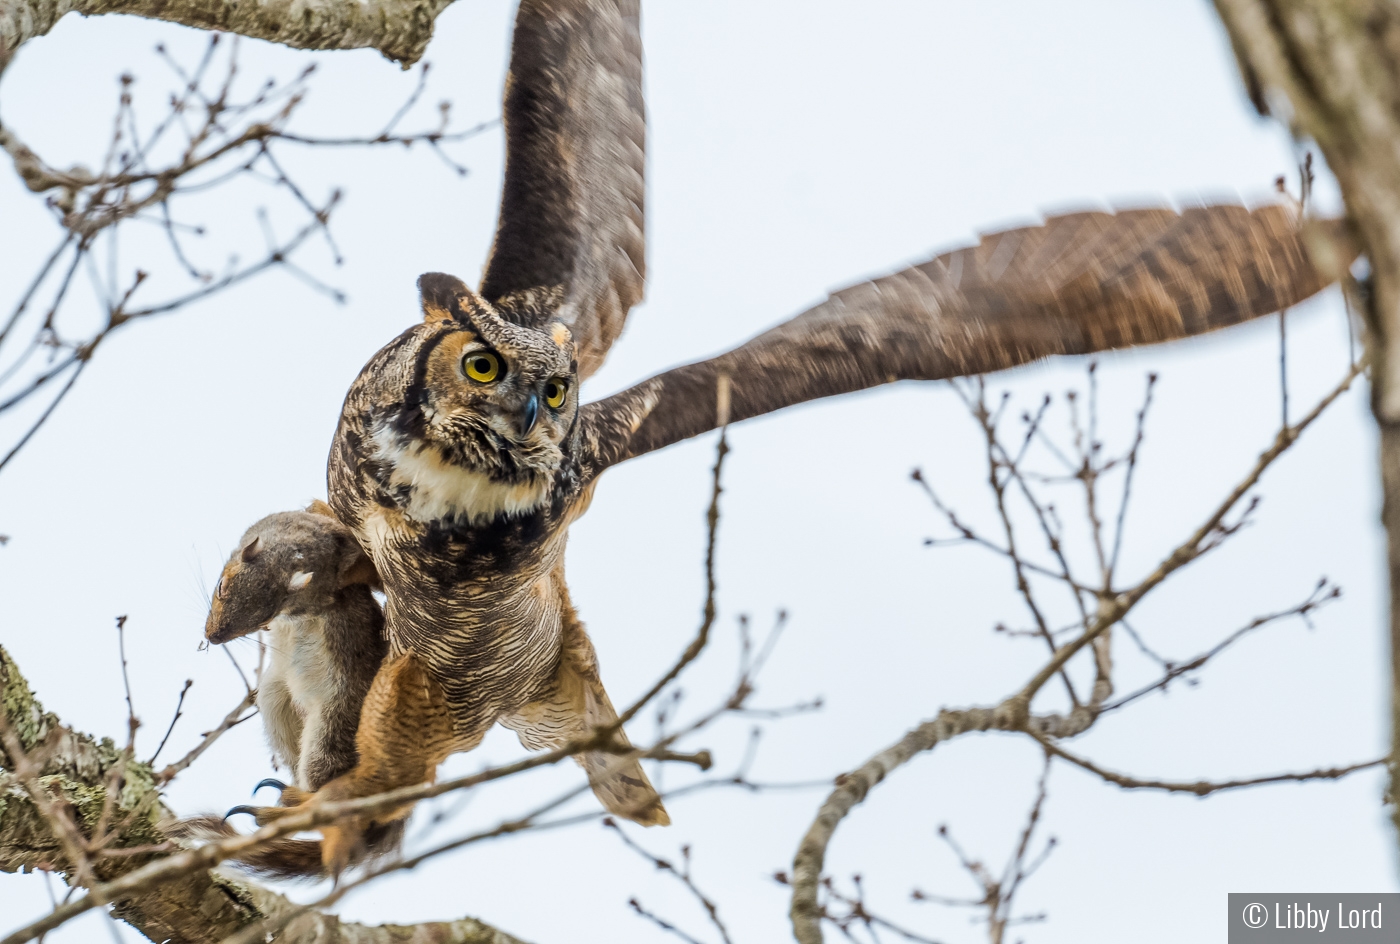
[1080,283]
[572,206]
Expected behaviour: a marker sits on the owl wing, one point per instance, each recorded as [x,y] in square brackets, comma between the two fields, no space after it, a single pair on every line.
[572,204]
[1079,283]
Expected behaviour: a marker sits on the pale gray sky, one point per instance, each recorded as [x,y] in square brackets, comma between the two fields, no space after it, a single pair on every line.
[794,147]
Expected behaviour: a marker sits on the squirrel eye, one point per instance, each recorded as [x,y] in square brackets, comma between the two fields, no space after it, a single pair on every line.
[220,588]
[554,393]
[481,366]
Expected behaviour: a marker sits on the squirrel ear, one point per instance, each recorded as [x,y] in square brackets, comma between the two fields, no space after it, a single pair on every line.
[253,549]
[361,570]
[300,579]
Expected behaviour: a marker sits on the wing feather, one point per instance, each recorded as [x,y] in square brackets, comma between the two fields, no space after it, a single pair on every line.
[1077,284]
[571,221]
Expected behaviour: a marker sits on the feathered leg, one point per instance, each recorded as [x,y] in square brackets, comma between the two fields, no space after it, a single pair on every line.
[405,732]
[575,705]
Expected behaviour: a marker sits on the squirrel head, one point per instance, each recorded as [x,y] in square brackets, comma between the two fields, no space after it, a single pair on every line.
[292,563]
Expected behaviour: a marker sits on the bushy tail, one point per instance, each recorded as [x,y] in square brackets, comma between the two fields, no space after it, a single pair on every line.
[285,857]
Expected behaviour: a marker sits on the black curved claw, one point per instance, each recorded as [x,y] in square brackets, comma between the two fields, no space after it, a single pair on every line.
[250,810]
[269,782]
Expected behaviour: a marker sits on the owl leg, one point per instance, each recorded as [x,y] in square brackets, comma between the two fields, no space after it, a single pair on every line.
[573,707]
[405,731]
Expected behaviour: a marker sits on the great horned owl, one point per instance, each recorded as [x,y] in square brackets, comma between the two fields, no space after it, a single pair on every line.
[462,453]
[455,463]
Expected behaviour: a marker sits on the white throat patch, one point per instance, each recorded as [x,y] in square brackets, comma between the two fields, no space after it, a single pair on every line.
[440,489]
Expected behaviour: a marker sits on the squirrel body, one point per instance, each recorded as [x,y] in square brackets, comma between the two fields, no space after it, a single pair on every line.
[309,696]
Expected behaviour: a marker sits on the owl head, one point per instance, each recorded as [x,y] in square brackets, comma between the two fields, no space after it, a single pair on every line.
[474,408]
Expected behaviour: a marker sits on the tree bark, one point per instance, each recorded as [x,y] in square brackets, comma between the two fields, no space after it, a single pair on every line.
[1331,69]
[400,29]
[203,908]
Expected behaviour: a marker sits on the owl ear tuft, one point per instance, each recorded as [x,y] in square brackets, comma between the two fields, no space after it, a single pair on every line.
[439,293]
[300,579]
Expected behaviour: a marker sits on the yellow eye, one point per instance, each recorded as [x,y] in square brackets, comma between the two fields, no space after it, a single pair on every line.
[554,393]
[481,366]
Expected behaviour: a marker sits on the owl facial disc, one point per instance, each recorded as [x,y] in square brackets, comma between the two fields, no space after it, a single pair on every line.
[482,427]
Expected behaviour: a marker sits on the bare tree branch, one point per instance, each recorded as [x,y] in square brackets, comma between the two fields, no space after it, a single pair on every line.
[1322,594]
[231,720]
[201,907]
[681,875]
[227,138]
[999,890]
[1202,787]
[399,29]
[1013,714]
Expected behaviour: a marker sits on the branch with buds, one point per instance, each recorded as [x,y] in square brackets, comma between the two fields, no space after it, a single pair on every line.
[1100,605]
[211,138]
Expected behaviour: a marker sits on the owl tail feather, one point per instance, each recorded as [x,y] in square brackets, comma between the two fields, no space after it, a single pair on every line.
[623,789]
[285,857]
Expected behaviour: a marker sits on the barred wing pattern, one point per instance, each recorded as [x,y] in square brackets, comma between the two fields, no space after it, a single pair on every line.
[572,206]
[1077,284]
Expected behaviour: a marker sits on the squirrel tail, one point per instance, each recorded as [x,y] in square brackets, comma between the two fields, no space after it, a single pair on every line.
[285,857]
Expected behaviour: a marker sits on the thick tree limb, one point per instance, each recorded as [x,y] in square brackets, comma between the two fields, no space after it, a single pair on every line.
[1332,71]
[200,908]
[852,788]
[400,29]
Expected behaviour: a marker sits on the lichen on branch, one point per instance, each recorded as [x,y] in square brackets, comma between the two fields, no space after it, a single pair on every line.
[400,29]
[200,908]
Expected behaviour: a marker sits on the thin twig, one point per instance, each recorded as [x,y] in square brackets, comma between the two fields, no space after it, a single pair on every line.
[702,636]
[681,875]
[1128,475]
[231,720]
[1322,594]
[1190,549]
[1202,787]
[179,706]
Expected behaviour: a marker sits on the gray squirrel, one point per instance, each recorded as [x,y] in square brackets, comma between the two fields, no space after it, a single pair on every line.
[302,577]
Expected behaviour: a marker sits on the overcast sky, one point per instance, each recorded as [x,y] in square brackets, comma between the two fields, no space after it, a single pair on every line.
[793,148]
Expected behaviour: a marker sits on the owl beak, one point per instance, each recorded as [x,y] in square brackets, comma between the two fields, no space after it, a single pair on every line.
[529,413]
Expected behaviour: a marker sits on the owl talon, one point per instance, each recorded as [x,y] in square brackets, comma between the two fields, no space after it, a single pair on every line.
[263,815]
[339,844]
[269,782]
